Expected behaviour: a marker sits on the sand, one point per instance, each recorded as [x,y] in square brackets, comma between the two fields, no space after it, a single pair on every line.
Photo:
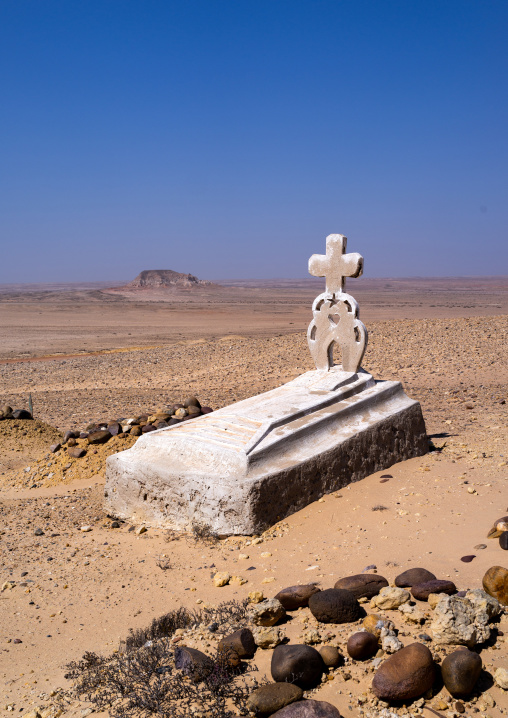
[88,589]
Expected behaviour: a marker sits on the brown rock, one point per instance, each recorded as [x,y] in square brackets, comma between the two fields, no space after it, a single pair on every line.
[331,656]
[295,597]
[334,605]
[193,663]
[241,641]
[135,431]
[413,576]
[297,664]
[407,674]
[503,541]
[192,401]
[460,670]
[308,709]
[270,698]
[362,645]
[55,447]
[77,452]
[72,442]
[373,623]
[99,437]
[495,583]
[363,585]
[422,590]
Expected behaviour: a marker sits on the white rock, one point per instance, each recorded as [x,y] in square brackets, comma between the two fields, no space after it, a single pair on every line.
[464,621]
[268,636]
[501,678]
[390,597]
[389,641]
[412,614]
[85,529]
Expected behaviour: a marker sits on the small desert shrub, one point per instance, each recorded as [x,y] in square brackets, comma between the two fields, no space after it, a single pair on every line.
[142,681]
[202,533]
[163,563]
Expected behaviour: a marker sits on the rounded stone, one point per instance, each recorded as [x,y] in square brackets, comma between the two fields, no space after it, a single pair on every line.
[72,441]
[294,597]
[135,431]
[114,428]
[266,613]
[335,605]
[192,401]
[331,656]
[270,698]
[21,414]
[413,576]
[193,410]
[495,583]
[77,452]
[298,664]
[147,428]
[407,674]
[422,590]
[308,709]
[241,641]
[68,435]
[503,541]
[196,664]
[362,645]
[181,413]
[99,437]
[363,585]
[460,670]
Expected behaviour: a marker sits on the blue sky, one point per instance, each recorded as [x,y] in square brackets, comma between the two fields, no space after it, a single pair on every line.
[228,138]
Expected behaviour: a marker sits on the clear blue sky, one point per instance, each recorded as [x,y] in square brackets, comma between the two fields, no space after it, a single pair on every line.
[228,138]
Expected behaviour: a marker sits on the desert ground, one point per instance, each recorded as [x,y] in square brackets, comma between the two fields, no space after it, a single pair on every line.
[93,353]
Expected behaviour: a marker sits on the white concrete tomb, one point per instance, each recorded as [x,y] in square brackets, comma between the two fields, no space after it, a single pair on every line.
[248,465]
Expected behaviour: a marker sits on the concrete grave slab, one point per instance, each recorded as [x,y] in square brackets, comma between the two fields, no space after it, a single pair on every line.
[248,465]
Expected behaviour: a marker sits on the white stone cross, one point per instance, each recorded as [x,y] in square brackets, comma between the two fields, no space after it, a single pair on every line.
[335,265]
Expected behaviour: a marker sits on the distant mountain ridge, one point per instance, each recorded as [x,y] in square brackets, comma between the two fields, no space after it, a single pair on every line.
[154,278]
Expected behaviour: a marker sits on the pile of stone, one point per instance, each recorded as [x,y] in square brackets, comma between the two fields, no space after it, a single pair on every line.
[461,620]
[102,431]
[7,412]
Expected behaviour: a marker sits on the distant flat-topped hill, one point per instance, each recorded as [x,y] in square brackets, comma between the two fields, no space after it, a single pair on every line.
[155,278]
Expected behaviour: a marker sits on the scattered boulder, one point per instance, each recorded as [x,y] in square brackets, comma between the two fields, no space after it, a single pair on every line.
[464,621]
[267,699]
[295,597]
[362,585]
[460,670]
[390,598]
[55,447]
[241,641]
[266,613]
[413,576]
[421,591]
[77,452]
[268,636]
[362,645]
[495,583]
[331,656]
[193,663]
[334,605]
[221,578]
[407,674]
[308,709]
[298,664]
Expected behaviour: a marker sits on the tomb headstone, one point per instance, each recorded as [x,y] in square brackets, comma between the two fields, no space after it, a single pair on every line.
[244,467]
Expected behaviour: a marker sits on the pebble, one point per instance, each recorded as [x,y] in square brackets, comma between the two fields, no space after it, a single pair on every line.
[85,529]
[39,532]
[334,605]
[268,636]
[468,558]
[331,656]
[480,546]
[256,597]
[55,447]
[141,530]
[503,541]
[221,578]
[298,664]
[77,452]
[99,437]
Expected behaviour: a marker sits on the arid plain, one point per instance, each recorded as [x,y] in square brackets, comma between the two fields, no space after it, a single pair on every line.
[88,353]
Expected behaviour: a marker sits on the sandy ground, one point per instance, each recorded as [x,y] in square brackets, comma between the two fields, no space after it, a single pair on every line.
[83,591]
